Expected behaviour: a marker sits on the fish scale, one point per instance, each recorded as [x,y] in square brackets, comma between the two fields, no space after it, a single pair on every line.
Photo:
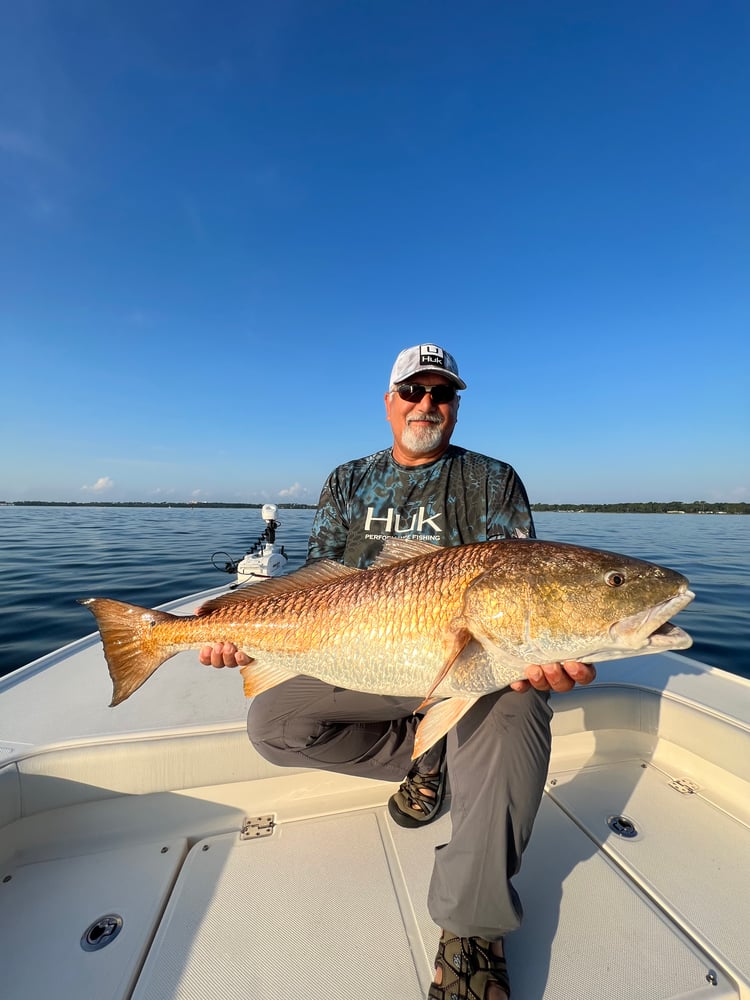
[435,623]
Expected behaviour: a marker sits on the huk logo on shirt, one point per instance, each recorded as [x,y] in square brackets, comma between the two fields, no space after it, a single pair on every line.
[431,354]
[397,523]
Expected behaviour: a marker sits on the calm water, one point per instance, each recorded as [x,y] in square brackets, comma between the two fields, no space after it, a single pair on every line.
[49,556]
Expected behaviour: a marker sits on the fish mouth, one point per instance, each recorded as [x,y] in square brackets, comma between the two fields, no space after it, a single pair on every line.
[651,629]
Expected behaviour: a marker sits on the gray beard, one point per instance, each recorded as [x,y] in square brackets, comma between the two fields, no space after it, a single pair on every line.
[420,439]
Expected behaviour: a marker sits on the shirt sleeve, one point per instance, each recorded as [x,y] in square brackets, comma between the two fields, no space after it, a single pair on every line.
[330,525]
[509,514]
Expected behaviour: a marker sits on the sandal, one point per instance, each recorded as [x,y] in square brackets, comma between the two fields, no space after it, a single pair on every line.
[409,806]
[468,966]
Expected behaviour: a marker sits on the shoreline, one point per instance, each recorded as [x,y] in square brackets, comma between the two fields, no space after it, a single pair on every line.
[647,507]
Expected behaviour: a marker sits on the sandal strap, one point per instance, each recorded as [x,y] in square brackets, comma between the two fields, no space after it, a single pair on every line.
[410,806]
[468,966]
[411,790]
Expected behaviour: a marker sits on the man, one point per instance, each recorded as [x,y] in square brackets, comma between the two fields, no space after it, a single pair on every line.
[497,756]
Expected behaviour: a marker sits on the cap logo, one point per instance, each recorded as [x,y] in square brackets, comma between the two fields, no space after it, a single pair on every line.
[431,354]
[425,358]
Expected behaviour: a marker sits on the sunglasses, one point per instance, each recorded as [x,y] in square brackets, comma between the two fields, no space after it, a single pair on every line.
[412,392]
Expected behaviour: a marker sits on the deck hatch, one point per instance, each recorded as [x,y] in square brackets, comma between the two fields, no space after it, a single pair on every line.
[690,856]
[101,932]
[622,826]
[58,916]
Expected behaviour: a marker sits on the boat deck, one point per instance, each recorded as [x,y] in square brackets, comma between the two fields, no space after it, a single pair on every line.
[324,896]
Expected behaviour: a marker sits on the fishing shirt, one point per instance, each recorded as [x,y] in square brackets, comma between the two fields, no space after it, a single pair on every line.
[461,497]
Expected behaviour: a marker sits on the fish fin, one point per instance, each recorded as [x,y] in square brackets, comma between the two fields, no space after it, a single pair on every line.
[438,721]
[125,632]
[461,639]
[315,575]
[398,550]
[258,678]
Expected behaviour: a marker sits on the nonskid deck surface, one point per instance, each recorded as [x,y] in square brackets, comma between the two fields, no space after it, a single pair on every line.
[666,834]
[335,905]
[139,816]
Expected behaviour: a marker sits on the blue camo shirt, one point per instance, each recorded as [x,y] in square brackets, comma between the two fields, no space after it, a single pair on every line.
[460,498]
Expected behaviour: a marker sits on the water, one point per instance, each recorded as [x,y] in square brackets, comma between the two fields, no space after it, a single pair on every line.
[49,556]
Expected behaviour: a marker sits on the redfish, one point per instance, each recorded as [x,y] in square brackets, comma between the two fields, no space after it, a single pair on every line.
[447,625]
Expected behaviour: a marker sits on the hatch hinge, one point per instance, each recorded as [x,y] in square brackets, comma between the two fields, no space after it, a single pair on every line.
[685,786]
[254,827]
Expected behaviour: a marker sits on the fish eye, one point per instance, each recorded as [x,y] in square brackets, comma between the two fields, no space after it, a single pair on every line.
[614,579]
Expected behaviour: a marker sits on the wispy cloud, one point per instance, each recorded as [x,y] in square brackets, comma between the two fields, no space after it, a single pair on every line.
[35,173]
[294,492]
[142,318]
[194,217]
[102,484]
[16,142]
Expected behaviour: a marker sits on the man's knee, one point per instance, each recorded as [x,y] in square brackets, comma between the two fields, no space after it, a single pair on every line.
[507,710]
[278,738]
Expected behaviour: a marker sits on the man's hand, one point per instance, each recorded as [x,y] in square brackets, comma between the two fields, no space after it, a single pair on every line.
[556,676]
[223,654]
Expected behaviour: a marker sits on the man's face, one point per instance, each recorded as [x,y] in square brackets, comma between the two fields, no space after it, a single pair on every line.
[421,431]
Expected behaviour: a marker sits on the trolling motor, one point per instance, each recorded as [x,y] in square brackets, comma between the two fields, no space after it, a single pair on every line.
[265,558]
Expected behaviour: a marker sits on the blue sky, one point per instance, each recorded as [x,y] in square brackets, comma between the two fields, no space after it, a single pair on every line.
[219,223]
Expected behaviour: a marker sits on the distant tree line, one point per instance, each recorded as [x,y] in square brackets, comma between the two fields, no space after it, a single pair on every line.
[650,507]
[143,503]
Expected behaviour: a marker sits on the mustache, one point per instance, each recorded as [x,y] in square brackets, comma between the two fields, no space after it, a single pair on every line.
[430,418]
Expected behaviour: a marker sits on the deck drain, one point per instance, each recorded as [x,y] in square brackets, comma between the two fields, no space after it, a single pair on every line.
[102,932]
[622,826]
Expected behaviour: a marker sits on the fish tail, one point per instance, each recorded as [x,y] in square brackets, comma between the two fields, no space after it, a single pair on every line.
[130,649]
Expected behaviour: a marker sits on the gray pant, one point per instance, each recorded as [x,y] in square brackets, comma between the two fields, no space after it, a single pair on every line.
[498,756]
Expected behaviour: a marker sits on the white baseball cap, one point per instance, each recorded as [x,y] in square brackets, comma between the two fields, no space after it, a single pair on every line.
[425,358]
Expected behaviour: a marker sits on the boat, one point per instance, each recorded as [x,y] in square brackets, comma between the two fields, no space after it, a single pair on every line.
[148,853]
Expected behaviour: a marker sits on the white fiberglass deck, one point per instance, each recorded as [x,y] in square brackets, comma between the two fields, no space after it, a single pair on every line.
[331,903]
